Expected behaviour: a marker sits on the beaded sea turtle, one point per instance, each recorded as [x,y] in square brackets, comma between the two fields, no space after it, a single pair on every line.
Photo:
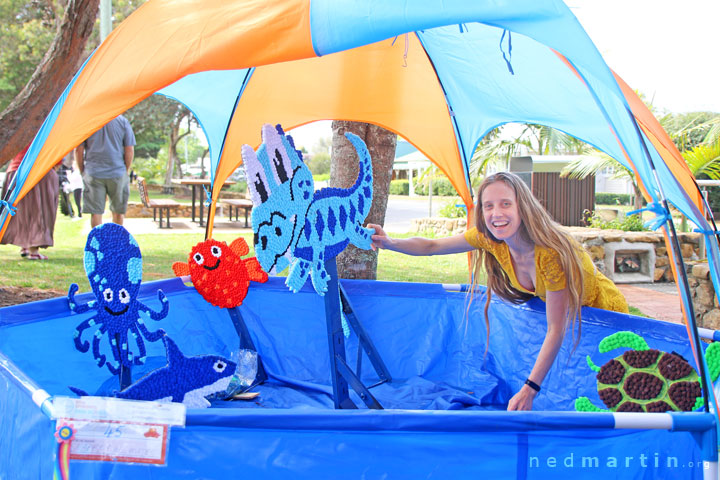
[645,379]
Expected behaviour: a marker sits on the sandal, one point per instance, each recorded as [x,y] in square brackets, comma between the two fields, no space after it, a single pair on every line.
[24,252]
[36,256]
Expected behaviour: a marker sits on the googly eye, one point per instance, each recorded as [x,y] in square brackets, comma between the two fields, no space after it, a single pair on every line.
[216,251]
[108,294]
[199,259]
[124,296]
[220,366]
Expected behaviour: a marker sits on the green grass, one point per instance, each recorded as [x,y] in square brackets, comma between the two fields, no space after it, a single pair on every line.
[397,267]
[65,265]
[636,311]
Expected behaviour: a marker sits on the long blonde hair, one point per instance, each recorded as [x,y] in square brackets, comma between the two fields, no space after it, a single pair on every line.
[538,227]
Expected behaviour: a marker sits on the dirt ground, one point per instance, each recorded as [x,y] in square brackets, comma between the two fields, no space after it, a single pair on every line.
[15,295]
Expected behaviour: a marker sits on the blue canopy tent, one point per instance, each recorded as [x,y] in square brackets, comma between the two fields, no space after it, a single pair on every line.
[441,75]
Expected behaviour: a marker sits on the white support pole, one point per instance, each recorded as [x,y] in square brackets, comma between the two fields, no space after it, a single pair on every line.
[105,19]
[710,471]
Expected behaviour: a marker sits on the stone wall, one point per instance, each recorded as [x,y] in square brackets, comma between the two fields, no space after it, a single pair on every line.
[597,242]
[705,302]
[441,226]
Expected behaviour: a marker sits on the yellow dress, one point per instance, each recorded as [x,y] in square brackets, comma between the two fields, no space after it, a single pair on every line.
[600,292]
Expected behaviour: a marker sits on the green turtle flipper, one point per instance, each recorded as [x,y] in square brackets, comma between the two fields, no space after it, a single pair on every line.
[623,339]
[583,404]
[590,363]
[712,356]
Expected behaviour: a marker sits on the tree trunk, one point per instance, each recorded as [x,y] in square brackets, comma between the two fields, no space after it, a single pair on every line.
[172,158]
[353,262]
[25,114]
[172,161]
[637,200]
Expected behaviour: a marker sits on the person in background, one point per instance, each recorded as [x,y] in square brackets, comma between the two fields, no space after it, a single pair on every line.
[32,227]
[104,160]
[524,253]
[70,183]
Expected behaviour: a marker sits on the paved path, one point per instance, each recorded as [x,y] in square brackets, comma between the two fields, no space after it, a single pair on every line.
[656,300]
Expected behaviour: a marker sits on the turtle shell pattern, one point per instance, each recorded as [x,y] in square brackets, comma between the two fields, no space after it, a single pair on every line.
[648,381]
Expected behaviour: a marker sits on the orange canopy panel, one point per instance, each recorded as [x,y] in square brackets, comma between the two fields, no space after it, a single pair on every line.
[344,86]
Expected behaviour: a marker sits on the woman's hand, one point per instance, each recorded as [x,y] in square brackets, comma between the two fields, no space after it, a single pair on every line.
[522,400]
[380,239]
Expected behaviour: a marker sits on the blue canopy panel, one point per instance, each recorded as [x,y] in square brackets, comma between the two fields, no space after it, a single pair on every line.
[349,23]
[474,67]
[484,94]
[213,107]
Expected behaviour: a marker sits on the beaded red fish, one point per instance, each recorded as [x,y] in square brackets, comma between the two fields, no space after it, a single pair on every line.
[219,273]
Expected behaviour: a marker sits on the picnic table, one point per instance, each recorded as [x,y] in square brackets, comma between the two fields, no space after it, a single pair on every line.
[196,185]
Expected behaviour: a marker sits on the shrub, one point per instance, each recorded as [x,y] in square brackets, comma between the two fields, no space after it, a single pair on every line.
[151,169]
[399,187]
[613,199]
[322,177]
[440,186]
[628,223]
[453,209]
[239,187]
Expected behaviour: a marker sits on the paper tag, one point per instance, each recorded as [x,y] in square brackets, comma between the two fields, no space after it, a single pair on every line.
[116,430]
[108,441]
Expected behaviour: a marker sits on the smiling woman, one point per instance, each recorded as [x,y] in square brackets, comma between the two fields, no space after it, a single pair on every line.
[525,254]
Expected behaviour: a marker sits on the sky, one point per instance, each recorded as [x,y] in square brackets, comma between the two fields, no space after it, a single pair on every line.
[665,49]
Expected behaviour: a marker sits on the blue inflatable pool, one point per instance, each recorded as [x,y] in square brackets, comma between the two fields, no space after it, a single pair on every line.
[443,414]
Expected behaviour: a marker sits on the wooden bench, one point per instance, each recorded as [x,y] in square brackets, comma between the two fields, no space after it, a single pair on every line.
[161,205]
[238,204]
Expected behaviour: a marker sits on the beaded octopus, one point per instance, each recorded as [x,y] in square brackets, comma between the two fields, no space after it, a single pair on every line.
[296,226]
[113,264]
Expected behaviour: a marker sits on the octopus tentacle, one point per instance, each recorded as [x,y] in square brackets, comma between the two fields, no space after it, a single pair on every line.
[140,359]
[153,314]
[100,358]
[81,345]
[73,305]
[151,336]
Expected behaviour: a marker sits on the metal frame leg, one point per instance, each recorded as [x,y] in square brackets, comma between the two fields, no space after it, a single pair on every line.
[246,342]
[341,374]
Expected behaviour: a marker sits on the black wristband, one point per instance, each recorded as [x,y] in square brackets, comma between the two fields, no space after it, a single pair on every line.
[532,385]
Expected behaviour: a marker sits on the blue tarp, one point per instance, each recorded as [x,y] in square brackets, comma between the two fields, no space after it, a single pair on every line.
[444,408]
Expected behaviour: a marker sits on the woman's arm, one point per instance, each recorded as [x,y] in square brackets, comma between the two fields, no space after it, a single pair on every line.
[418,245]
[556,313]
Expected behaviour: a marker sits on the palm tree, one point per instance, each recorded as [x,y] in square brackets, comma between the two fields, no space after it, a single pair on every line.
[704,159]
[494,150]
[592,165]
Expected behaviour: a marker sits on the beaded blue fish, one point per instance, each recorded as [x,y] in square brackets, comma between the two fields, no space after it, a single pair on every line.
[184,379]
[295,226]
[113,264]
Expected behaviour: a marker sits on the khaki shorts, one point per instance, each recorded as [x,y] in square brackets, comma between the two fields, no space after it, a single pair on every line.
[95,190]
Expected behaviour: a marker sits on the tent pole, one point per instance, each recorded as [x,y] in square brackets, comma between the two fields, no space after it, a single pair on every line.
[680,266]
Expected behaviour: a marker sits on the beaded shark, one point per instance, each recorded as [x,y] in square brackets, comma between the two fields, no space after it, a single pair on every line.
[296,226]
[184,379]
